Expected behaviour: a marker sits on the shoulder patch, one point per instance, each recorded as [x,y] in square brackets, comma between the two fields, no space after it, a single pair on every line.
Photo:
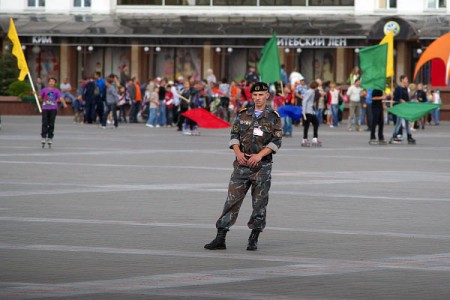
[244,109]
[275,112]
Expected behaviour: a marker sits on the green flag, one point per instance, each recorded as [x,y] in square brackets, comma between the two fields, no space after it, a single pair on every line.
[412,111]
[269,64]
[373,65]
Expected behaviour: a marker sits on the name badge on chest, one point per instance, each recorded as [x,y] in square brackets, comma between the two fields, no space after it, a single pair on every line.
[257,131]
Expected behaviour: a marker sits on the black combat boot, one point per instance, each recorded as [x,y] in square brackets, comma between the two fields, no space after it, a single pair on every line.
[253,240]
[219,242]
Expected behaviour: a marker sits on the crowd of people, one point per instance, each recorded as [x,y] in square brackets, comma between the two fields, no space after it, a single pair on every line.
[365,107]
[157,103]
[161,102]
[368,107]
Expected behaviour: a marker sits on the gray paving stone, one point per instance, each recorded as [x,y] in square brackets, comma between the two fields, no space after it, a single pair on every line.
[124,214]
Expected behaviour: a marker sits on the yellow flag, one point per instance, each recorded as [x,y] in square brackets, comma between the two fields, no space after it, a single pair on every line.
[389,39]
[17,50]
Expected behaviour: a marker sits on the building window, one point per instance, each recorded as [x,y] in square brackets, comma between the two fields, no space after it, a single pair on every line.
[234,2]
[187,2]
[282,2]
[434,4]
[139,2]
[317,63]
[36,3]
[331,2]
[239,2]
[386,4]
[82,3]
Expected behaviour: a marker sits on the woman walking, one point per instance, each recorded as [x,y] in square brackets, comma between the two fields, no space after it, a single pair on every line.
[309,116]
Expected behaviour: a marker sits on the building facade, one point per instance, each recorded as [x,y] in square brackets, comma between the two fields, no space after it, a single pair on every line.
[172,38]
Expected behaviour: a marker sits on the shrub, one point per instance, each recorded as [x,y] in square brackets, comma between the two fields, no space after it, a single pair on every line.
[19,89]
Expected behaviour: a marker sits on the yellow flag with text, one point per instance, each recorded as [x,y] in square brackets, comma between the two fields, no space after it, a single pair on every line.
[389,39]
[17,50]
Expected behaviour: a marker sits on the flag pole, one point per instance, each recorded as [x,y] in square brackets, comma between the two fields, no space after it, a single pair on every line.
[392,89]
[282,88]
[34,93]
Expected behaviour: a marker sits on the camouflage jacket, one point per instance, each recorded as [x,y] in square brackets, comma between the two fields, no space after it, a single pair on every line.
[252,134]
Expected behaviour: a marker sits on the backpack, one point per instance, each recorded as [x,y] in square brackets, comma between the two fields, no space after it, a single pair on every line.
[96,90]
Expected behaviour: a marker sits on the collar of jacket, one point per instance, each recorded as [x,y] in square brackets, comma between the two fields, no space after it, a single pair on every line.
[251,111]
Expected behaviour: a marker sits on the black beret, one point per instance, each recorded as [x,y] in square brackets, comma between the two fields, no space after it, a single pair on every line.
[259,87]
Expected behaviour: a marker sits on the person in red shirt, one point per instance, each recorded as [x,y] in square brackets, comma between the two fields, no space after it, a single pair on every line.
[288,99]
[246,95]
[216,90]
[168,102]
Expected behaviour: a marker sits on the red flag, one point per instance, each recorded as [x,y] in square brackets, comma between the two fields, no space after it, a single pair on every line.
[437,72]
[205,119]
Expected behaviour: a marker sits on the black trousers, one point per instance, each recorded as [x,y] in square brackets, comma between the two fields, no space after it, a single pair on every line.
[310,118]
[369,115]
[175,113]
[181,119]
[208,101]
[89,113]
[191,123]
[225,103]
[377,120]
[134,111]
[48,123]
[99,109]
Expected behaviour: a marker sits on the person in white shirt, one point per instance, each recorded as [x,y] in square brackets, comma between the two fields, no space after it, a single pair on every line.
[66,90]
[210,76]
[333,97]
[354,95]
[294,77]
[436,100]
[176,101]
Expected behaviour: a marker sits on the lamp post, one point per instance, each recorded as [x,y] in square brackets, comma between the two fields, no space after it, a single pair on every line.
[84,51]
[227,63]
[150,51]
[37,50]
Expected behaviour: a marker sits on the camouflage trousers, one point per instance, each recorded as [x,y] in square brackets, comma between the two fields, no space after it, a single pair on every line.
[242,179]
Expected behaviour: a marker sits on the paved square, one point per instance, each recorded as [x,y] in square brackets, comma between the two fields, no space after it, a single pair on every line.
[124,214]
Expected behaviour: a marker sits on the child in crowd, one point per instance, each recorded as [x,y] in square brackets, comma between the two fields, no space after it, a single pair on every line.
[168,102]
[122,104]
[154,104]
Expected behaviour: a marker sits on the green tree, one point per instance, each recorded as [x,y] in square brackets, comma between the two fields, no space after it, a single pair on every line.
[8,71]
[20,89]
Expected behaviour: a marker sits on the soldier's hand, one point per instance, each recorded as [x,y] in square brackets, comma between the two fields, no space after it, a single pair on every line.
[242,160]
[254,160]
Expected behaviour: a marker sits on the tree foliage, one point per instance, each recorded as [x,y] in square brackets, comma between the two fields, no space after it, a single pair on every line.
[8,71]
[19,89]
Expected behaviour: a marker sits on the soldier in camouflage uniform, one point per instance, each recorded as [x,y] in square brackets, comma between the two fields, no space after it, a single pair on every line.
[255,136]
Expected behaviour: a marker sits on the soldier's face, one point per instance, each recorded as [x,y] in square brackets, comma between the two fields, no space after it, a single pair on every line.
[260,99]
